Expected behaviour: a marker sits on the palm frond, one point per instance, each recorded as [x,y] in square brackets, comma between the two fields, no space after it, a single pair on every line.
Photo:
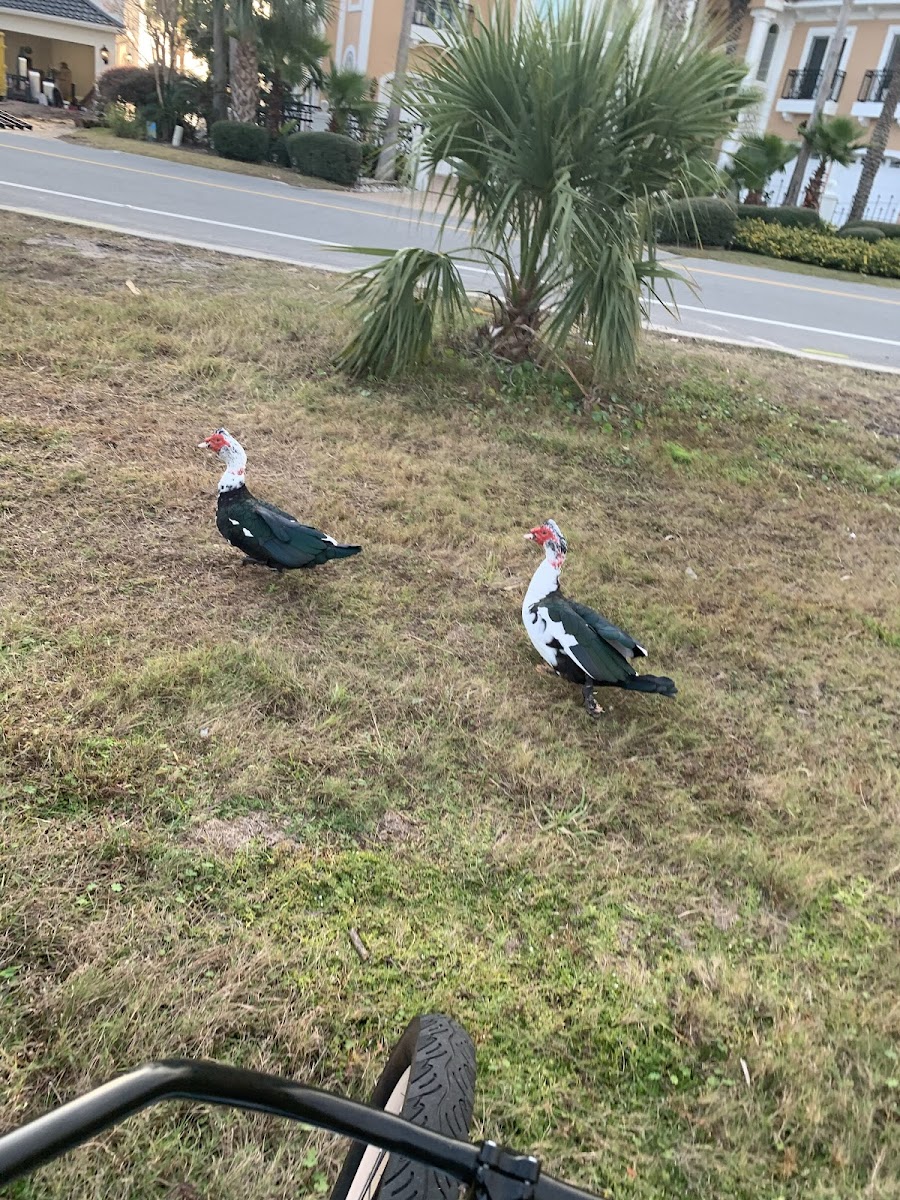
[401,299]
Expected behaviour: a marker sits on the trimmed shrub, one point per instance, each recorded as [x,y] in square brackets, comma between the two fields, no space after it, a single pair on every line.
[240,140]
[820,249]
[278,151]
[791,216]
[128,85]
[326,156]
[890,229]
[866,232]
[700,222]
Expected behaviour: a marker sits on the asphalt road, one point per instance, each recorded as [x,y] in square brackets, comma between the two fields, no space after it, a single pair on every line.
[269,219]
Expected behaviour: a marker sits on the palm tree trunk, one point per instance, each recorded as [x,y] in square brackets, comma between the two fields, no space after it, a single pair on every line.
[875,152]
[822,92]
[275,105]
[245,79]
[220,62]
[734,23]
[674,15]
[813,196]
[387,159]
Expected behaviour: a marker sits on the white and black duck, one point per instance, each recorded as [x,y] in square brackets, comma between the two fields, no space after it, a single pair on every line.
[577,642]
[267,535]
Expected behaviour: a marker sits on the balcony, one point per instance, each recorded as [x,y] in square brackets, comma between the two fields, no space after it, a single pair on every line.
[799,91]
[872,95]
[874,87]
[803,85]
[432,17]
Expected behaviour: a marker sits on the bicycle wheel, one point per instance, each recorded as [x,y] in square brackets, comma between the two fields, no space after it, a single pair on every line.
[429,1080]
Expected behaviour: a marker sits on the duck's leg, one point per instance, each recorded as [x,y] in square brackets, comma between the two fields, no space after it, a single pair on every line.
[591,706]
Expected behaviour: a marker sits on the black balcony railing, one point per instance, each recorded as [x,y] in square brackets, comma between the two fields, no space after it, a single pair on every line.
[439,14]
[874,88]
[803,85]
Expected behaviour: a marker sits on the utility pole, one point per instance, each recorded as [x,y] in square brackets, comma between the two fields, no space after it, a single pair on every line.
[386,168]
[820,95]
[220,62]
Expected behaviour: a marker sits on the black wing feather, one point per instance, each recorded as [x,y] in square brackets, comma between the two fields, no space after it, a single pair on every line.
[596,657]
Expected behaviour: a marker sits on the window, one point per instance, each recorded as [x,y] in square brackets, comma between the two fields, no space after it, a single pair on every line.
[350,58]
[815,60]
[768,50]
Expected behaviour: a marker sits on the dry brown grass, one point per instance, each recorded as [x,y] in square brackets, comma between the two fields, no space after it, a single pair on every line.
[618,912]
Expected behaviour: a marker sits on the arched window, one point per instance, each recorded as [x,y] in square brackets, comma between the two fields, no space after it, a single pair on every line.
[350,58]
[765,60]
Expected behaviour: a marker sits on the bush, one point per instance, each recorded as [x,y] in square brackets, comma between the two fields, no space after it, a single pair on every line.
[120,124]
[790,216]
[890,229]
[278,151]
[240,140]
[820,249]
[702,222]
[127,85]
[866,232]
[326,156]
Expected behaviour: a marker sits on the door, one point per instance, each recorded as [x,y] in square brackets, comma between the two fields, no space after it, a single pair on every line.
[813,67]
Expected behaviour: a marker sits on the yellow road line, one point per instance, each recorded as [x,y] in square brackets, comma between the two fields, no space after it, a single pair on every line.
[225,187]
[797,287]
[830,353]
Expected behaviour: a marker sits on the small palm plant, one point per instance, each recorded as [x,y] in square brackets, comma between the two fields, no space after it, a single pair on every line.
[831,140]
[566,129]
[756,160]
[351,100]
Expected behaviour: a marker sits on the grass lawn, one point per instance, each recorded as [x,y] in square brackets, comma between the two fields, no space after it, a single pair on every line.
[744,258]
[104,139]
[673,933]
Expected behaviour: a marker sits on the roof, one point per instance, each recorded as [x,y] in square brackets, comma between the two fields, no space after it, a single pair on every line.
[64,10]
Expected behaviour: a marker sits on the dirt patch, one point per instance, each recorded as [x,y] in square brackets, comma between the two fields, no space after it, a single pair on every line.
[92,248]
[237,833]
[396,829]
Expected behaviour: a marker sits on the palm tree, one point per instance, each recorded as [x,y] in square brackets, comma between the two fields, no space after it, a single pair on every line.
[350,99]
[566,128]
[833,140]
[875,153]
[296,22]
[290,48]
[244,60]
[758,157]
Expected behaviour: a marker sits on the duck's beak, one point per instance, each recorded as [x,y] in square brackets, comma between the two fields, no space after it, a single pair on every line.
[529,537]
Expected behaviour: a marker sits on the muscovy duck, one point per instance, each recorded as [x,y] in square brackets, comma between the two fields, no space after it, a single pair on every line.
[268,536]
[578,643]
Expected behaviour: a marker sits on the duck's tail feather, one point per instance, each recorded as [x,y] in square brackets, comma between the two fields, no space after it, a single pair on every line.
[650,683]
[339,551]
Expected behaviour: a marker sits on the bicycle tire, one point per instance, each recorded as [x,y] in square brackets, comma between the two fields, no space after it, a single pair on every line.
[429,1080]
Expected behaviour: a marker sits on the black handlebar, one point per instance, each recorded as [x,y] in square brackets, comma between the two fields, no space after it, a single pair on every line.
[493,1173]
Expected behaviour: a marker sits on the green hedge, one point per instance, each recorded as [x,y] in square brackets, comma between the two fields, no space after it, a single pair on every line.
[788,215]
[820,249]
[326,156]
[866,232]
[699,222]
[889,228]
[240,140]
